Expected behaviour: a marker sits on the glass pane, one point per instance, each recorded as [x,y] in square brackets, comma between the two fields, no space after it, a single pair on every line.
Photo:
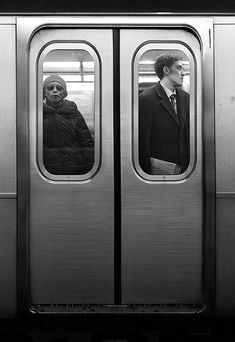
[163,87]
[68,112]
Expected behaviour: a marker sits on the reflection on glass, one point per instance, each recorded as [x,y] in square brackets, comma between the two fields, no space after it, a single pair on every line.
[68,112]
[163,112]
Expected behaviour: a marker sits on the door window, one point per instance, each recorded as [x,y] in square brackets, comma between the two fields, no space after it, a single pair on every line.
[68,120]
[164,113]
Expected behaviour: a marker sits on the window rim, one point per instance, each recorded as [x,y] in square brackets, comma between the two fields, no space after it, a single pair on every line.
[64,45]
[171,47]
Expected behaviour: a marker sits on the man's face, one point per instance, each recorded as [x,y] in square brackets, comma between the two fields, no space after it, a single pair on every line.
[54,92]
[175,74]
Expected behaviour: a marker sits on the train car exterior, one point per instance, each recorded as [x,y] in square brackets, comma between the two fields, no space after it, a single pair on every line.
[116,239]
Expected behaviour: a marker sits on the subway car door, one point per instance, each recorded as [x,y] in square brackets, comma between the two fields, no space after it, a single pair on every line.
[111,232]
[163,222]
[70,215]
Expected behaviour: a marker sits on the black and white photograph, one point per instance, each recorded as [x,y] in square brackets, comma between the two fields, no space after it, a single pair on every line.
[117,171]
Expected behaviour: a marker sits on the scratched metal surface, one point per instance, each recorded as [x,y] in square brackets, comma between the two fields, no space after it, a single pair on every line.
[162,222]
[71,247]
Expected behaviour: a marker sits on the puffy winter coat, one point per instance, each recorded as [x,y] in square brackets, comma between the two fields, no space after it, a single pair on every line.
[67,142]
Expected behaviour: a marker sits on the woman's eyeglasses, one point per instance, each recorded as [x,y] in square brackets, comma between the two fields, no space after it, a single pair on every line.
[54,86]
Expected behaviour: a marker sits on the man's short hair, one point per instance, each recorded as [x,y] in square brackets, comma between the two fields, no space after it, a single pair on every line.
[166,59]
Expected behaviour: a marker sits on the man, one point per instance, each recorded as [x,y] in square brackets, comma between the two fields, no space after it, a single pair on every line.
[68,148]
[164,120]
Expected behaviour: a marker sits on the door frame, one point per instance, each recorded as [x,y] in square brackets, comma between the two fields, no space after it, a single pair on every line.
[203,29]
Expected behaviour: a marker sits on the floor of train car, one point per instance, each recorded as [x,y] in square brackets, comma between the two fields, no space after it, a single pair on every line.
[116,330]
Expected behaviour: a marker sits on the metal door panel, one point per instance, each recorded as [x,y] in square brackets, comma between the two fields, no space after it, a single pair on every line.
[225,163]
[8,280]
[71,223]
[224,110]
[162,221]
[8,170]
[8,111]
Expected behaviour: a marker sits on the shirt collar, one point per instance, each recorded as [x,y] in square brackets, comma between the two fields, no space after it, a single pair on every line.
[167,90]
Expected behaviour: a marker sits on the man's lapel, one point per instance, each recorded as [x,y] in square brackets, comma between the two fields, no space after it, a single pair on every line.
[166,103]
[181,110]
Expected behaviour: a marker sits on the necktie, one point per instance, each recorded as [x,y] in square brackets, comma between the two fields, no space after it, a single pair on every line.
[173,102]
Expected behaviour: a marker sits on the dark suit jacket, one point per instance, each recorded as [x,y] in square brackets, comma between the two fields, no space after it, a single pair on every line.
[163,134]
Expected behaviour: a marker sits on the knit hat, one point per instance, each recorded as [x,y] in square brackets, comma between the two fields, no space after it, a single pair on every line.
[54,78]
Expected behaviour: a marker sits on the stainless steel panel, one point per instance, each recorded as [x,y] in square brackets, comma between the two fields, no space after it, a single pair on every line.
[8,195]
[8,258]
[7,20]
[162,223]
[7,110]
[225,256]
[221,20]
[225,108]
[71,224]
[225,164]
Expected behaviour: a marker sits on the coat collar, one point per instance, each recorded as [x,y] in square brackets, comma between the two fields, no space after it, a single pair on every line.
[66,107]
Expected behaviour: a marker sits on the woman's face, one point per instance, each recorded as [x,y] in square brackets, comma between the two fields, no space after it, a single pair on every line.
[54,92]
